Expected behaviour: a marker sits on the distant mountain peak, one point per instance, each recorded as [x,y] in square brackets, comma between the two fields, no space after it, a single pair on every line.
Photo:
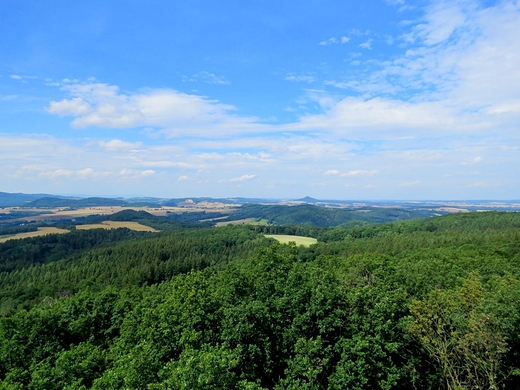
[308,199]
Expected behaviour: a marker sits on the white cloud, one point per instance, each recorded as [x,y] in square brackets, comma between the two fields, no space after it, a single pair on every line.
[73,107]
[242,178]
[127,173]
[359,173]
[331,172]
[354,173]
[116,145]
[462,64]
[21,77]
[168,164]
[475,161]
[102,105]
[334,41]
[58,173]
[367,44]
[85,174]
[442,19]
[383,118]
[328,41]
[301,78]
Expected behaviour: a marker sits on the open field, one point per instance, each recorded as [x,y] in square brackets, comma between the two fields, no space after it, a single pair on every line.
[41,232]
[245,221]
[237,222]
[62,213]
[104,225]
[114,225]
[298,240]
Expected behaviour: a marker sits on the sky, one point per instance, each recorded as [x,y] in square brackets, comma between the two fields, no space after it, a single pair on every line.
[373,99]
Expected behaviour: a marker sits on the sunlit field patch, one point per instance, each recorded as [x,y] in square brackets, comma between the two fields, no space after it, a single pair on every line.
[116,224]
[298,240]
[41,232]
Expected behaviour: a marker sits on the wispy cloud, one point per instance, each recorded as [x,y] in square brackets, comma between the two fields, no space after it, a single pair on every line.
[7,98]
[300,78]
[207,77]
[331,172]
[459,73]
[22,78]
[367,44]
[334,41]
[395,2]
[242,178]
[127,173]
[354,173]
[359,173]
[475,161]
[85,174]
[410,183]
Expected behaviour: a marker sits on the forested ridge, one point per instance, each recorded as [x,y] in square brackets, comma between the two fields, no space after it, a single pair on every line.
[311,215]
[431,303]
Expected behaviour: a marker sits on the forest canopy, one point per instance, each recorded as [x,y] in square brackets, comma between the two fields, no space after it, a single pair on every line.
[431,303]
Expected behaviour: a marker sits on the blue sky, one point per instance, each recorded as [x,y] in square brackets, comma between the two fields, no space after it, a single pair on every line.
[380,99]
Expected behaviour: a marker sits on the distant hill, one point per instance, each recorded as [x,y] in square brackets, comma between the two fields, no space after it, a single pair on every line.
[311,215]
[182,201]
[83,202]
[307,199]
[18,199]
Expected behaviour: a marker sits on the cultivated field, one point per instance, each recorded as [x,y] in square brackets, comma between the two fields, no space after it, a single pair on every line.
[41,232]
[115,224]
[104,225]
[298,240]
[63,213]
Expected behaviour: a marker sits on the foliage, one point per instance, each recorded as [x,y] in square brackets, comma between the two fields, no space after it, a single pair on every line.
[459,329]
[124,262]
[426,304]
[144,218]
[11,230]
[19,254]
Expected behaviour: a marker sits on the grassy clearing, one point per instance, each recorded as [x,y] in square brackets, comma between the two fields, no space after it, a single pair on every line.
[298,240]
[116,224]
[237,222]
[41,232]
[245,221]
[261,222]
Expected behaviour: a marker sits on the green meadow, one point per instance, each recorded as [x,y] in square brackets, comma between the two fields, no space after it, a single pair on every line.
[298,240]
